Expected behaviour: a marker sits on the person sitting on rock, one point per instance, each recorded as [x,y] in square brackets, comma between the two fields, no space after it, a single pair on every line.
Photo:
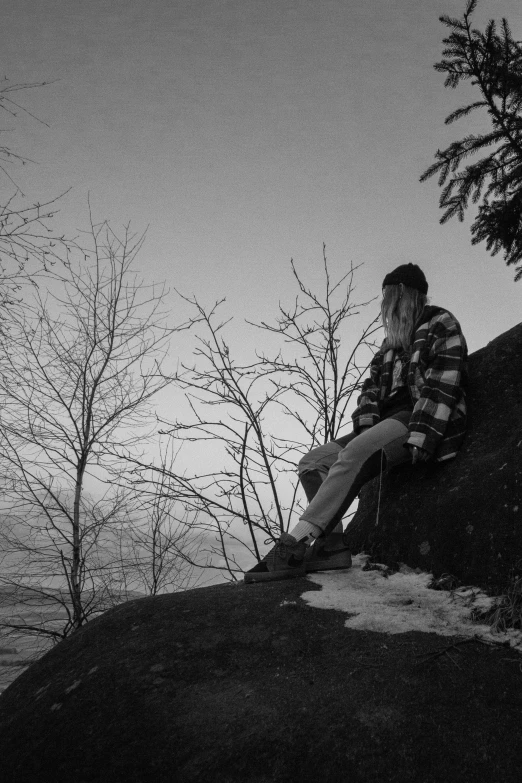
[412,407]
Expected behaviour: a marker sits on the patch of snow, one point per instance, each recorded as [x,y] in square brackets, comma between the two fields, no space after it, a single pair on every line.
[403,602]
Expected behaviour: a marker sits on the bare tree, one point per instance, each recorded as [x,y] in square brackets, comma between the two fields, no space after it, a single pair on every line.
[158,551]
[10,106]
[237,413]
[29,243]
[36,559]
[79,368]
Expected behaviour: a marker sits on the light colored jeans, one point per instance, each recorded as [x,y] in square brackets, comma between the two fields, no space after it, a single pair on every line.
[346,466]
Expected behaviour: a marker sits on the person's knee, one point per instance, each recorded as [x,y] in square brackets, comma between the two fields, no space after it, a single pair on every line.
[307,463]
[319,458]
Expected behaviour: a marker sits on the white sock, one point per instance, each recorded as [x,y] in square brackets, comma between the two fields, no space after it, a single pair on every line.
[304,530]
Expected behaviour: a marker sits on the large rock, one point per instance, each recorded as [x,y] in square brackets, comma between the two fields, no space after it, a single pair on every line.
[464,517]
[248,684]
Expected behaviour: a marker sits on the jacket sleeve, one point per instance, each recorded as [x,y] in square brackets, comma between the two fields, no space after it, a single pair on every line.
[367,412]
[441,387]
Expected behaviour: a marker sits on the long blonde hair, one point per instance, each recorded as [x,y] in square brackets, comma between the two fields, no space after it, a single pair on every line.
[401,306]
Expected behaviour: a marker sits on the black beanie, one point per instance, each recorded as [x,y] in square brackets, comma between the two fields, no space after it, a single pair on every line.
[409,275]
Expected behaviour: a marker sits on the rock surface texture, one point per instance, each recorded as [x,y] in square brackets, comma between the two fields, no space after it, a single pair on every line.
[463,517]
[248,684]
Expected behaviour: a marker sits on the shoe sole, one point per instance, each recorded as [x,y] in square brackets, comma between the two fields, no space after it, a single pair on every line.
[272,576]
[332,563]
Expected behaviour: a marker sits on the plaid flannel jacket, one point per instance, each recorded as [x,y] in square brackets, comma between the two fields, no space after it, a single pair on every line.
[436,381]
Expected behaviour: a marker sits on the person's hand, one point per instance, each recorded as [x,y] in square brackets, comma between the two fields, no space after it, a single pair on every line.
[418,455]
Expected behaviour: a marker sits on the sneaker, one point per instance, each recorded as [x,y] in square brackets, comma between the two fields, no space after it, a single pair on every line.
[284,561]
[328,554]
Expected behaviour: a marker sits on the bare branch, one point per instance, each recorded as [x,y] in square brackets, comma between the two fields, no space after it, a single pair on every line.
[80,365]
[236,410]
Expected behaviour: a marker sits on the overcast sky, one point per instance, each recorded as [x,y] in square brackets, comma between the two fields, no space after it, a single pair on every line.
[247,132]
